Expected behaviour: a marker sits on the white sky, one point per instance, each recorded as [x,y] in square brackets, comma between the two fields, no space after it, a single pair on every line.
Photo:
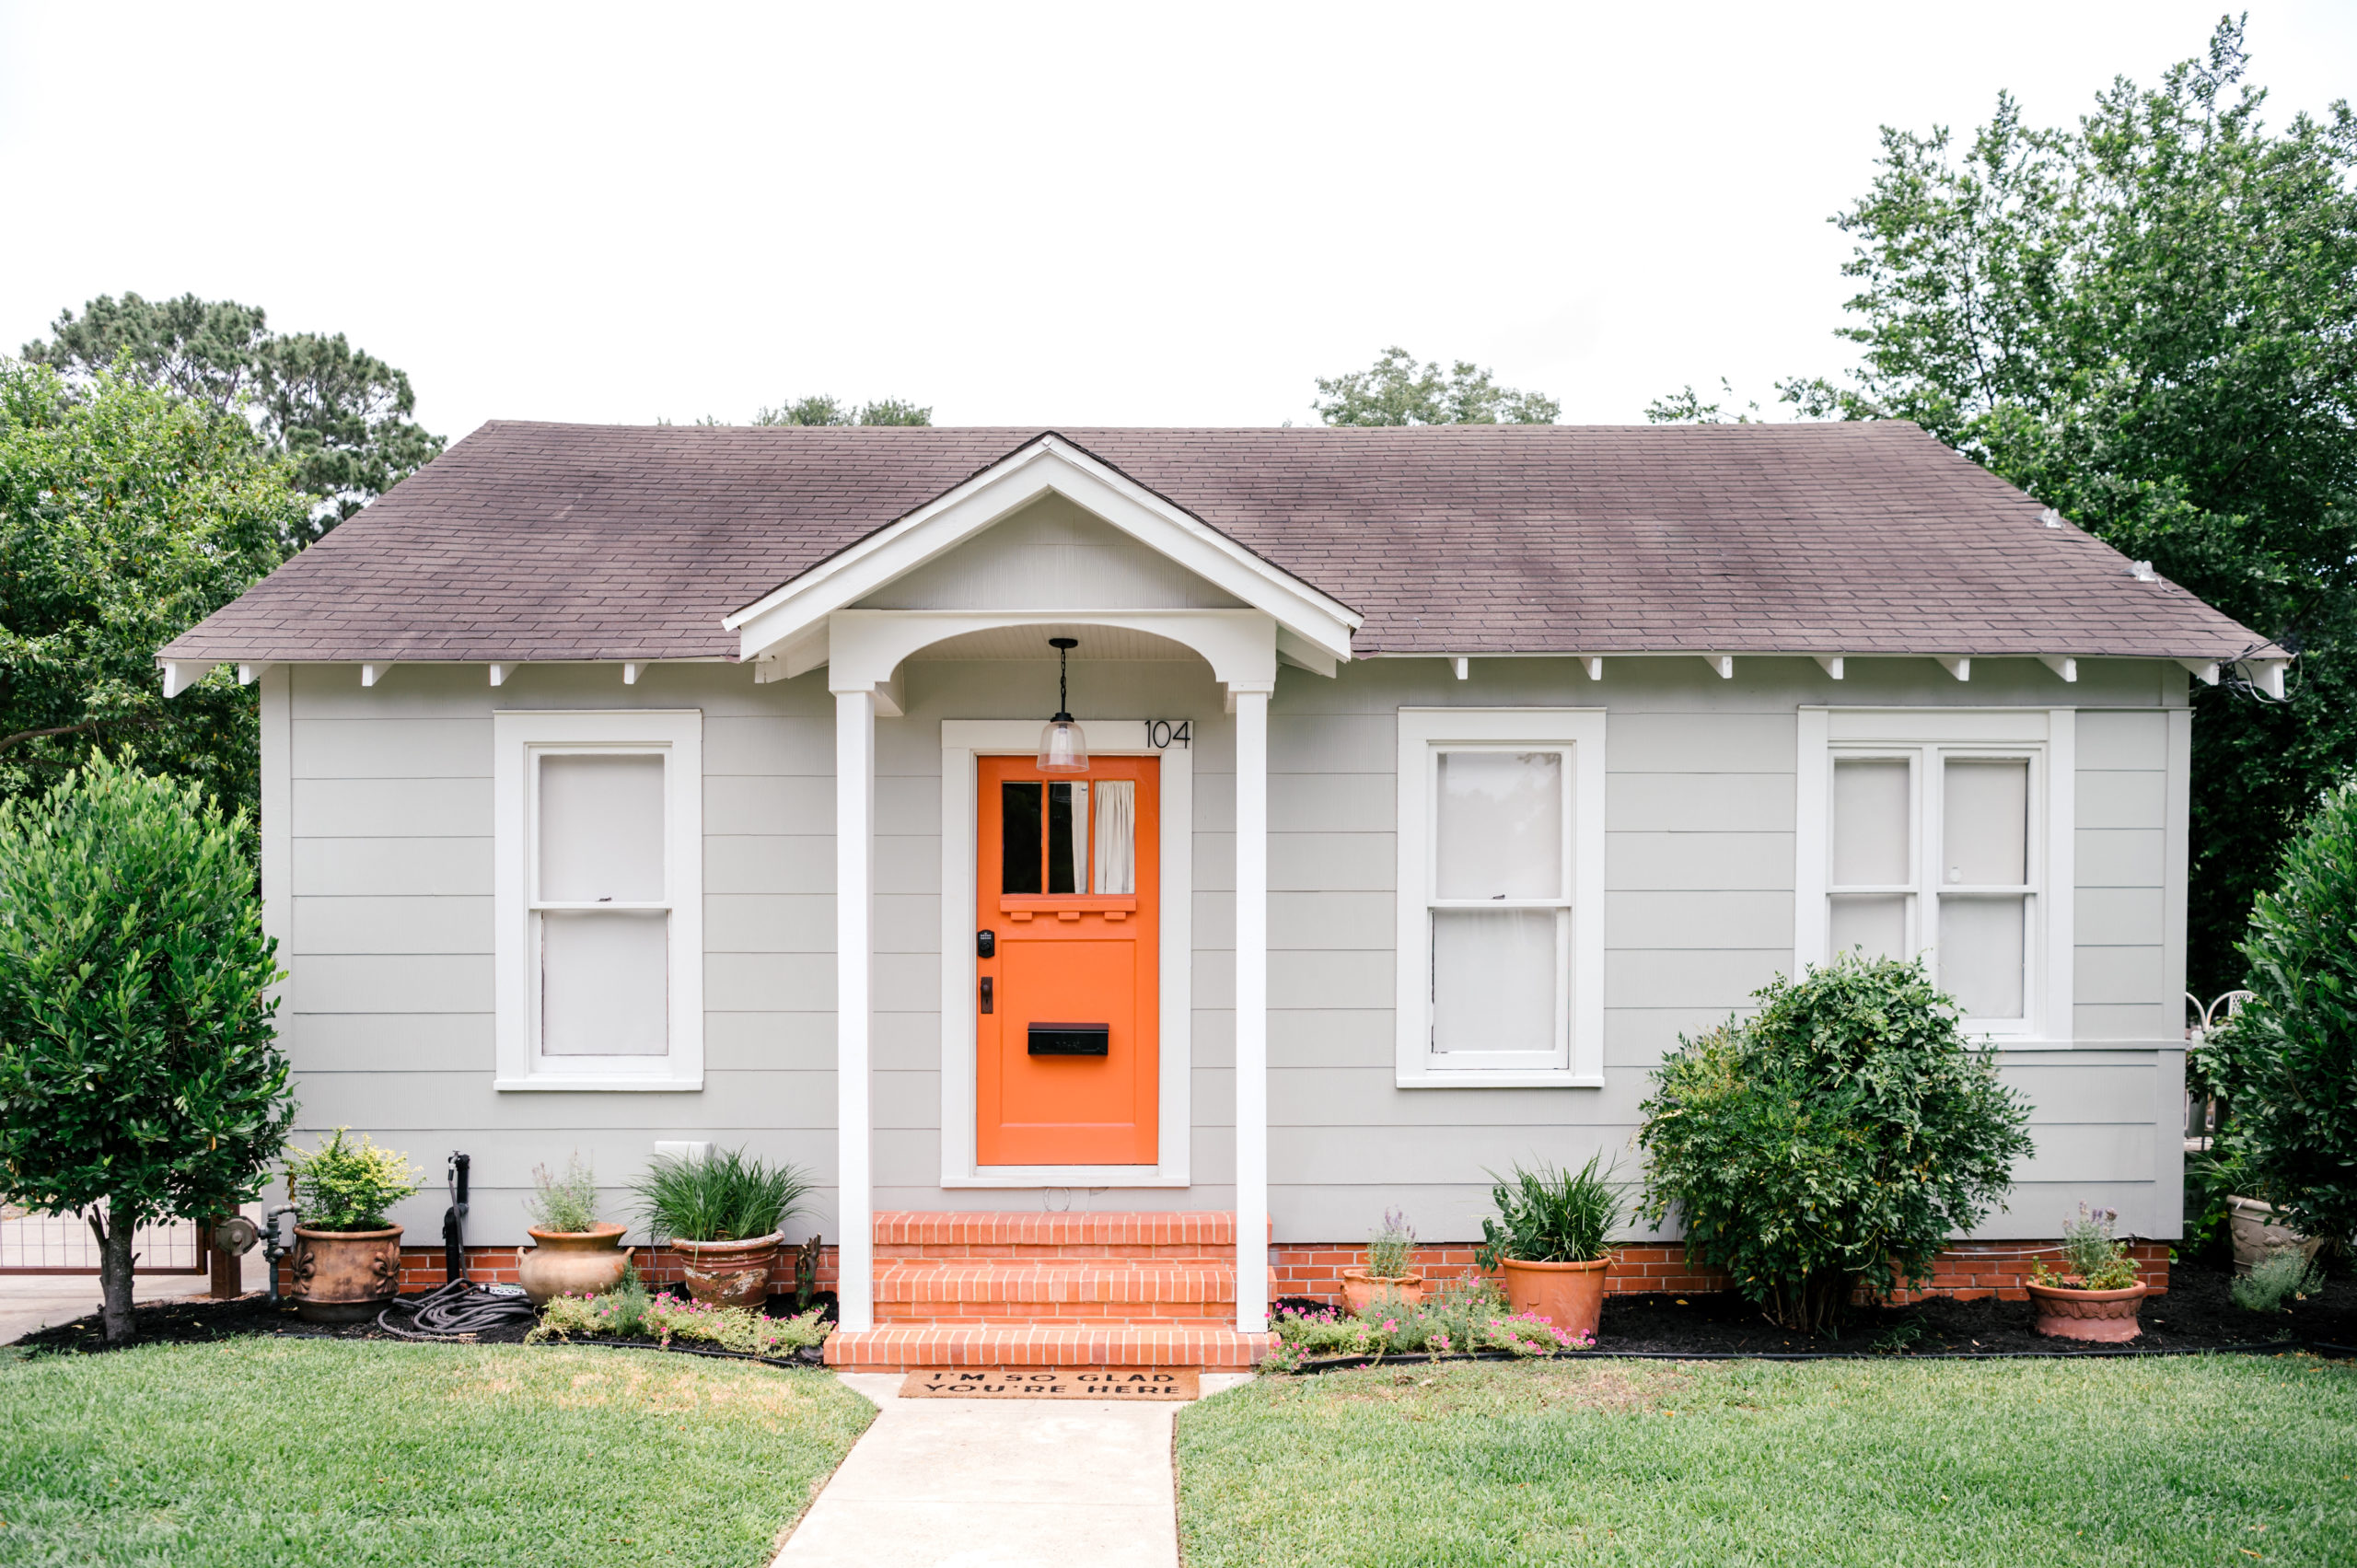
[1027,215]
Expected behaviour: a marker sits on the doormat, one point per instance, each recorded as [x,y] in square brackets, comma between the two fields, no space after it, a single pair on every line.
[1039,1383]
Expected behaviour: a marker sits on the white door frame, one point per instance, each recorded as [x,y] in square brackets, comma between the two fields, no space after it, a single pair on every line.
[962,740]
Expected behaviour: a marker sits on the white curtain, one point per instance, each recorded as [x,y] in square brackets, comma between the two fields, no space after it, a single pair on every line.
[1493,980]
[1501,825]
[1870,812]
[1117,836]
[604,974]
[605,982]
[602,828]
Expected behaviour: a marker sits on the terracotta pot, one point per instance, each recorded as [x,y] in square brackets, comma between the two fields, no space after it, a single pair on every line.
[572,1262]
[346,1276]
[1569,1295]
[729,1273]
[2106,1317]
[1362,1291]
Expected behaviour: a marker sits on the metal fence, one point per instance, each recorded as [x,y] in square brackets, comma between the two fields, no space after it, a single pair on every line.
[63,1243]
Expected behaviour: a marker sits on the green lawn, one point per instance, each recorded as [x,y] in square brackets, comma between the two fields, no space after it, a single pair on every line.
[267,1452]
[2122,1464]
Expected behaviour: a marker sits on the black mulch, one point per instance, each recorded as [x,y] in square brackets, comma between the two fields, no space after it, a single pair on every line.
[202,1321]
[2196,1313]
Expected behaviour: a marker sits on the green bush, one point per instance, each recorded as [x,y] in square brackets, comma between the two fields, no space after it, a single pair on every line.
[1461,1317]
[2287,1063]
[1836,1139]
[563,1204]
[1550,1216]
[2282,1275]
[631,1312]
[139,1077]
[345,1186]
[722,1197]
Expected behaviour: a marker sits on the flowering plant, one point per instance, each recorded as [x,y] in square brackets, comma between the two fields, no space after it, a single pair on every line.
[1389,1249]
[631,1312]
[1465,1319]
[2092,1258]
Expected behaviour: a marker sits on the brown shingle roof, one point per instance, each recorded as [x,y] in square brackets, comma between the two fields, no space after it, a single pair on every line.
[568,542]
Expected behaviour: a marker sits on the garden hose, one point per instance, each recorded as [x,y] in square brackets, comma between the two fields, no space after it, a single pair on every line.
[456,1310]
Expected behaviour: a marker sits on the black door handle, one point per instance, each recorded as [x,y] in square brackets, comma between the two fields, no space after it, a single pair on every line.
[986,993]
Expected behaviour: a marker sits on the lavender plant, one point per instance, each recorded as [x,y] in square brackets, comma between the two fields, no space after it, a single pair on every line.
[1389,1249]
[2093,1258]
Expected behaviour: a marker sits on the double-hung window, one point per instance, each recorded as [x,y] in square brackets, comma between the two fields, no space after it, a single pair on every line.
[1943,835]
[1500,877]
[599,893]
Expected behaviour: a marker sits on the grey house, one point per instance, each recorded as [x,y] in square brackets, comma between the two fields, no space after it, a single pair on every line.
[626,785]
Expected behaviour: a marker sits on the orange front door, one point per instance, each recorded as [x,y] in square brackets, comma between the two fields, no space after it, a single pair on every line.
[1066,996]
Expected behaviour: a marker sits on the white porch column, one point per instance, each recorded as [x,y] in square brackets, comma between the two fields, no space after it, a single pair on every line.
[855,884]
[1251,1012]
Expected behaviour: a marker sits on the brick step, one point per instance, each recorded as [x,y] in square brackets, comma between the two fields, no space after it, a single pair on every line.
[905,1234]
[917,1348]
[1029,1281]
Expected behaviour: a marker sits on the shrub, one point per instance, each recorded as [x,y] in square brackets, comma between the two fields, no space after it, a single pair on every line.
[346,1186]
[1550,1216]
[2092,1258]
[139,1077]
[1468,1316]
[630,1312]
[722,1197]
[2287,1061]
[1391,1249]
[2280,1275]
[563,1204]
[1837,1138]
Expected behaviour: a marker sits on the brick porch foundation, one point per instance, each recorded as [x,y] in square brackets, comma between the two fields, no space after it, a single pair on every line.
[422,1268]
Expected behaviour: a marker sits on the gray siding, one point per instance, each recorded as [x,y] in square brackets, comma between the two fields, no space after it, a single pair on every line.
[385,904]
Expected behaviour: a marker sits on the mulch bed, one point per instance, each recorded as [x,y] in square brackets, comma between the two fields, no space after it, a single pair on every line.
[2195,1314]
[199,1320]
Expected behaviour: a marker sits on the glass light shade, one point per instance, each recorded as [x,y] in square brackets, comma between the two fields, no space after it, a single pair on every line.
[1062,749]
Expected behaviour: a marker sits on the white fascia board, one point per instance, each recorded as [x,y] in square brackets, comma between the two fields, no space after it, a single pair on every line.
[788,611]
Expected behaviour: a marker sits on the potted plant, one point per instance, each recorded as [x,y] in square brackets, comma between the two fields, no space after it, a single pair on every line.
[2096,1294]
[1549,1241]
[723,1213]
[1388,1277]
[575,1254]
[347,1254]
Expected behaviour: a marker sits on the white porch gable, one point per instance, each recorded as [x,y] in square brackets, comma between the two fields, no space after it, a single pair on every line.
[1241,614]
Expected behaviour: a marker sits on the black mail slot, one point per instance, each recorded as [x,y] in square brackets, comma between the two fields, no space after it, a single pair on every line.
[1069,1039]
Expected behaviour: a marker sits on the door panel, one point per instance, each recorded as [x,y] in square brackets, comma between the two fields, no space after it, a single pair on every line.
[1067,883]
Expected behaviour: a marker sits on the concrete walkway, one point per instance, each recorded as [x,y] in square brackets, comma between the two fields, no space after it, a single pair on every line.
[30,1302]
[999,1483]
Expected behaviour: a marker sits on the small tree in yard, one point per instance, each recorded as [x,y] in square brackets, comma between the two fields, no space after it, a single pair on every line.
[139,1074]
[1836,1139]
[2287,1064]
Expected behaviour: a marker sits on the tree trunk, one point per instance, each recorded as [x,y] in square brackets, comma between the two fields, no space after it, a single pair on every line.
[114,1271]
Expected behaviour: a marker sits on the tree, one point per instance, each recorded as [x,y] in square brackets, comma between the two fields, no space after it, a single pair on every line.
[2287,1061]
[342,415]
[2149,322]
[140,1079]
[824,410]
[128,513]
[1396,391]
[1838,1138]
[1686,407]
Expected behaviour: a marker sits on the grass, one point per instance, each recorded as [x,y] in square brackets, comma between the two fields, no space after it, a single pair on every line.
[2125,1464]
[320,1451]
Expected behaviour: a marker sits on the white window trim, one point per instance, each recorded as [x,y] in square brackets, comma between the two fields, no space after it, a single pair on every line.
[517,737]
[962,741]
[2049,737]
[1581,731]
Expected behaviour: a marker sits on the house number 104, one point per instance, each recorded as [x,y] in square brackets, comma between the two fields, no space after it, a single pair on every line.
[1163,734]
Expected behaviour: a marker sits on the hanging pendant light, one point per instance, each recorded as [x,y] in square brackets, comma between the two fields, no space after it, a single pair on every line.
[1063,747]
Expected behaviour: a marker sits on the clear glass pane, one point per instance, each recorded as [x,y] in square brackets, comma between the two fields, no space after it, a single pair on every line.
[601,829]
[605,983]
[1870,813]
[1875,923]
[1494,975]
[1501,825]
[1067,836]
[1117,836]
[1986,832]
[1980,955]
[1019,830]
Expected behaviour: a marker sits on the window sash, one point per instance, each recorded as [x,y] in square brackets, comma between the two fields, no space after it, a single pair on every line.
[1924,893]
[1556,1054]
[561,1062]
